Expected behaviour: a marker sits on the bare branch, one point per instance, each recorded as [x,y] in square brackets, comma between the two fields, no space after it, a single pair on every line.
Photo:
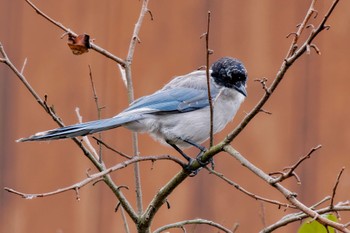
[250,194]
[112,149]
[137,28]
[96,176]
[290,196]
[134,39]
[208,52]
[125,222]
[23,66]
[197,221]
[85,139]
[293,54]
[159,199]
[70,32]
[87,153]
[289,171]
[262,81]
[296,217]
[301,27]
[98,109]
[336,186]
[320,202]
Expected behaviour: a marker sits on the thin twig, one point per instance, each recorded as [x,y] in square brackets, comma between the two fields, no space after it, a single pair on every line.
[24,65]
[97,176]
[288,61]
[85,139]
[246,192]
[125,222]
[134,40]
[197,221]
[69,31]
[301,27]
[336,186]
[289,171]
[208,53]
[296,217]
[320,202]
[101,167]
[290,196]
[98,109]
[262,81]
[110,148]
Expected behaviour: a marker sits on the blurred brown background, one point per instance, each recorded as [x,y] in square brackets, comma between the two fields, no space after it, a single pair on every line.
[310,107]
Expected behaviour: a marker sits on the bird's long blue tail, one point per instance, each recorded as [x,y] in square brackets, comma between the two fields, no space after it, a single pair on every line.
[80,129]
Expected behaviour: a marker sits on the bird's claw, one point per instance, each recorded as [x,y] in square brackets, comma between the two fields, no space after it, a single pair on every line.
[203,164]
[189,169]
[194,172]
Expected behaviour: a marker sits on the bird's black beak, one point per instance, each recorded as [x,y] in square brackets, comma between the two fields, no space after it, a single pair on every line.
[240,87]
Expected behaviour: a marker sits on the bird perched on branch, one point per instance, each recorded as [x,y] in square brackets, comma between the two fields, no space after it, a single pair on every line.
[179,113]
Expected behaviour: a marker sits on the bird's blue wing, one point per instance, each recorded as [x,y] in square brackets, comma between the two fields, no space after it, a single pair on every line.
[181,99]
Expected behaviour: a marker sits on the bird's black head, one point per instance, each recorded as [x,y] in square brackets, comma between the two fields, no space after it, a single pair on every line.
[231,73]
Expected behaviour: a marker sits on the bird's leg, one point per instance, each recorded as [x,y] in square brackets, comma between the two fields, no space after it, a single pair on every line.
[200,154]
[188,158]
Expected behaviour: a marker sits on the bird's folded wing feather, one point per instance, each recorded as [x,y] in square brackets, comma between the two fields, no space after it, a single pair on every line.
[180,99]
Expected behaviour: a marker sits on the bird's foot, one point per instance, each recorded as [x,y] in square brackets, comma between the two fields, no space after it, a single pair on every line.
[194,172]
[188,168]
[203,164]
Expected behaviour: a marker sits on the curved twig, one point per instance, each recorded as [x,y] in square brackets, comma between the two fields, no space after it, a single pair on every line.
[193,221]
[93,177]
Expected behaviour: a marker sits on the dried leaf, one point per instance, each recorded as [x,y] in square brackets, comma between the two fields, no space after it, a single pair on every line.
[79,44]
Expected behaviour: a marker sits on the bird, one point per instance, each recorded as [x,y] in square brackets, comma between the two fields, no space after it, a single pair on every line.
[179,113]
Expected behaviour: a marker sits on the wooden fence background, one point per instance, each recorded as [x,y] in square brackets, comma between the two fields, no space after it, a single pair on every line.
[310,107]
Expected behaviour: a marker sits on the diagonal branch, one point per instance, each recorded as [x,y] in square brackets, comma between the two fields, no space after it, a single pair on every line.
[290,196]
[100,166]
[97,176]
[286,64]
[70,32]
[124,65]
[290,171]
[288,61]
[336,186]
[246,192]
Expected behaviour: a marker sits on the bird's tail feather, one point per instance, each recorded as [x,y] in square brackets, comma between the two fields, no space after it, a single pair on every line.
[80,129]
